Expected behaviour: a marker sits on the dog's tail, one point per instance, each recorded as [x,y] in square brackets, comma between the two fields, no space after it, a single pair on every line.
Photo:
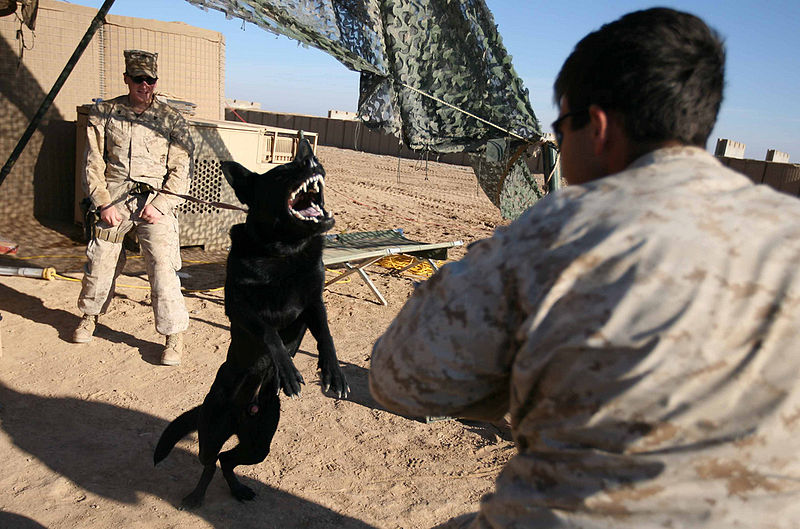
[182,426]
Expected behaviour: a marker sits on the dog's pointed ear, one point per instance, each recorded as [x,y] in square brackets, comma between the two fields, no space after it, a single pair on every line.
[240,178]
[304,152]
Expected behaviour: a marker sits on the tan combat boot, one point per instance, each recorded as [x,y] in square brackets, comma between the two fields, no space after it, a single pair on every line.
[172,350]
[85,330]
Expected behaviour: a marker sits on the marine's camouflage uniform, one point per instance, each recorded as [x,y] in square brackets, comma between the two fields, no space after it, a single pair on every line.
[643,331]
[124,149]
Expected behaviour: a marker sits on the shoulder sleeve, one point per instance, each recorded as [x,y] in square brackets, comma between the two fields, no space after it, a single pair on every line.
[94,174]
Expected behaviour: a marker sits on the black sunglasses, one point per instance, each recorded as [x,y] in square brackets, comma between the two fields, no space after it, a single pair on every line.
[139,79]
[559,134]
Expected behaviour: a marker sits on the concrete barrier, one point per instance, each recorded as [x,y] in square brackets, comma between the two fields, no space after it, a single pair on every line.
[345,134]
[781,176]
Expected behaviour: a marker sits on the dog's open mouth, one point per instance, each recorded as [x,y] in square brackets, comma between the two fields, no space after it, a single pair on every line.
[306,202]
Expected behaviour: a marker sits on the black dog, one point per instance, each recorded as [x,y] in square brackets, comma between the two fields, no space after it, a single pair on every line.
[273,293]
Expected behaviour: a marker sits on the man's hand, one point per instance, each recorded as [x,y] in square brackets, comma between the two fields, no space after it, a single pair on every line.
[150,214]
[110,215]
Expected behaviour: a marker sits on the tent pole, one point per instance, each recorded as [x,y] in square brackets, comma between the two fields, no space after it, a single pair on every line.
[98,20]
[552,168]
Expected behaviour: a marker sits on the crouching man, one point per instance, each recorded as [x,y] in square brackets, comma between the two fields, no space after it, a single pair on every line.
[640,326]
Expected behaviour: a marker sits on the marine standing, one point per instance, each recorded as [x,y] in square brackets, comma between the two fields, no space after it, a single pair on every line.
[136,147]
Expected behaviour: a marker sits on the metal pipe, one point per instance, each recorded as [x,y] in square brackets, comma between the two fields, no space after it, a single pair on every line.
[48,273]
[552,167]
[98,20]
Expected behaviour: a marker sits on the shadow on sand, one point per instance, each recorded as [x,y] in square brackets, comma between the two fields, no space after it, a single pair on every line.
[358,380]
[108,451]
[32,308]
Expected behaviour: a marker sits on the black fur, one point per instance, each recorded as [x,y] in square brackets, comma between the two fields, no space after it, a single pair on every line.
[273,293]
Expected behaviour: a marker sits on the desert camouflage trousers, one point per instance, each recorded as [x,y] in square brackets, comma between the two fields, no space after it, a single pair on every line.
[161,250]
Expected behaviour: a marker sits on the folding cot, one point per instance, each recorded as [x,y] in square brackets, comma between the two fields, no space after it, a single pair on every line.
[357,250]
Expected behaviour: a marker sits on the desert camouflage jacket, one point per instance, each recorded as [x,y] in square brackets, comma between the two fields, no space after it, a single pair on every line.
[643,331]
[154,148]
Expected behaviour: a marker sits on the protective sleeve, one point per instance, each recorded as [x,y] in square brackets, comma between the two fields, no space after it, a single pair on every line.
[450,349]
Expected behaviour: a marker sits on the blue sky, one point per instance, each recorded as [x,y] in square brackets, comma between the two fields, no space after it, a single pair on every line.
[761,106]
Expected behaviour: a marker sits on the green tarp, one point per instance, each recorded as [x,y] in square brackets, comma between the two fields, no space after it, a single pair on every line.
[434,73]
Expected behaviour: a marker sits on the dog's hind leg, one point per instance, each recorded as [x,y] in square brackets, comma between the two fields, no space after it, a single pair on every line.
[215,426]
[255,436]
[230,460]
[195,498]
[211,442]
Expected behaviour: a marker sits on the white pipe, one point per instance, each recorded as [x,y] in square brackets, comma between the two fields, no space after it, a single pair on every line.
[40,273]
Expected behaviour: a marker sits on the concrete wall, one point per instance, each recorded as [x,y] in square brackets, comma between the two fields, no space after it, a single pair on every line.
[346,134]
[350,134]
[781,176]
[191,67]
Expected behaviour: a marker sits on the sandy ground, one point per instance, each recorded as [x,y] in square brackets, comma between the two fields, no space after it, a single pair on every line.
[78,423]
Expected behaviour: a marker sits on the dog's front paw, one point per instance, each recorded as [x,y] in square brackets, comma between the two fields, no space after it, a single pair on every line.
[289,378]
[334,380]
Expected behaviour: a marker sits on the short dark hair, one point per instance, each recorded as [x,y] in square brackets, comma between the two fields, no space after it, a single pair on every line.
[661,69]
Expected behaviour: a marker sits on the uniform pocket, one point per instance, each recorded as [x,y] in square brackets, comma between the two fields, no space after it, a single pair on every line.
[157,148]
[156,144]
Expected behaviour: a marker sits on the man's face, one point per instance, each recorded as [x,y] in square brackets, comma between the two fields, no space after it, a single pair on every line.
[578,161]
[140,93]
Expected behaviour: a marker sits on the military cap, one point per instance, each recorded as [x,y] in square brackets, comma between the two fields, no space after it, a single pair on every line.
[138,62]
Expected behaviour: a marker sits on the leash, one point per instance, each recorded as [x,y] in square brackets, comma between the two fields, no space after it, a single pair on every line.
[222,205]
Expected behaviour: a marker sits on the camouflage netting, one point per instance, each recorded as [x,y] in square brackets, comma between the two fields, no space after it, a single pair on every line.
[418,60]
